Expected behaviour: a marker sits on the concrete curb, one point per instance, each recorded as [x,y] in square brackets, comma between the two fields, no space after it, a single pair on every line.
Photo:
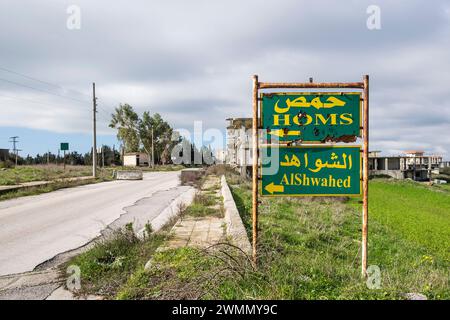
[234,224]
[172,211]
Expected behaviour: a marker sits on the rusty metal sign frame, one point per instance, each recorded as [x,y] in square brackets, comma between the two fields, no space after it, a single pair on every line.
[256,126]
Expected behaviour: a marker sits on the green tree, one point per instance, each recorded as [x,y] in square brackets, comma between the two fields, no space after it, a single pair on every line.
[157,131]
[147,135]
[126,121]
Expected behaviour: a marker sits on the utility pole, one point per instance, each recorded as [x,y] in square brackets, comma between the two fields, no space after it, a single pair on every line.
[103,156]
[14,142]
[94,127]
[113,162]
[153,151]
[17,150]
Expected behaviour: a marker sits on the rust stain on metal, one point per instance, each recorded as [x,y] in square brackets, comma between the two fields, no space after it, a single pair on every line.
[346,139]
[269,94]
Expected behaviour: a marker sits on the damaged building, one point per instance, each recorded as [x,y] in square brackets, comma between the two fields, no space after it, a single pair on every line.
[413,164]
[239,153]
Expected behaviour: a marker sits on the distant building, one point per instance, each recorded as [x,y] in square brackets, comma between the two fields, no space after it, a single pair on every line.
[413,164]
[4,154]
[135,159]
[220,156]
[444,164]
[374,154]
[239,151]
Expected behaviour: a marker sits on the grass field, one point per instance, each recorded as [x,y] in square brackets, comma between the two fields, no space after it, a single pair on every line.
[416,213]
[21,174]
[443,187]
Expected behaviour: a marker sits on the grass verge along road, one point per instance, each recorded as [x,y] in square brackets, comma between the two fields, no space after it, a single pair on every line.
[309,248]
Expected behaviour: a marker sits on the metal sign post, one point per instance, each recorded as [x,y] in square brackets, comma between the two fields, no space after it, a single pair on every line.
[255,158]
[365,211]
[312,117]
[64,147]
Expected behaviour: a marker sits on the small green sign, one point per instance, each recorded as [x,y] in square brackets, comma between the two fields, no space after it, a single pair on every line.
[311,170]
[64,146]
[312,116]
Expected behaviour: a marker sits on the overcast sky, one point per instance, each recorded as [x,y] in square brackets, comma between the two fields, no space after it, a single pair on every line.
[193,60]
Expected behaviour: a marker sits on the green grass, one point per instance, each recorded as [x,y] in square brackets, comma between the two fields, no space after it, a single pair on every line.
[175,274]
[205,203]
[415,213]
[21,174]
[311,249]
[42,173]
[199,210]
[110,262]
[32,191]
[443,187]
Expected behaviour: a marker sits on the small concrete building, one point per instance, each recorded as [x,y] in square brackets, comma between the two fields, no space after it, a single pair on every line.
[4,154]
[135,159]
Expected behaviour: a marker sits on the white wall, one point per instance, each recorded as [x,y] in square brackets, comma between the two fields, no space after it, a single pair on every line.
[129,161]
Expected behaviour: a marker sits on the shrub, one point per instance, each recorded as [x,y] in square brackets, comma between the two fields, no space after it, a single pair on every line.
[6,164]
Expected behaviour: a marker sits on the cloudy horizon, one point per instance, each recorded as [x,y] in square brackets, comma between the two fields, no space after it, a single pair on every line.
[193,61]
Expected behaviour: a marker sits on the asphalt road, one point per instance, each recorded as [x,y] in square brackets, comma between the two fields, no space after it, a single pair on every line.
[37,228]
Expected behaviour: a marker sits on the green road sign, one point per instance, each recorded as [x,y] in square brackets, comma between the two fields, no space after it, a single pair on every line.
[64,146]
[310,170]
[312,116]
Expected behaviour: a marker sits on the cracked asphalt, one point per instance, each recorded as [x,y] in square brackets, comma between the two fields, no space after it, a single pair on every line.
[37,228]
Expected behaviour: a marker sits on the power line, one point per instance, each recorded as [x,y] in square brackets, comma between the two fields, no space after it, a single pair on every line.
[31,78]
[42,81]
[47,83]
[105,115]
[27,100]
[14,142]
[42,90]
